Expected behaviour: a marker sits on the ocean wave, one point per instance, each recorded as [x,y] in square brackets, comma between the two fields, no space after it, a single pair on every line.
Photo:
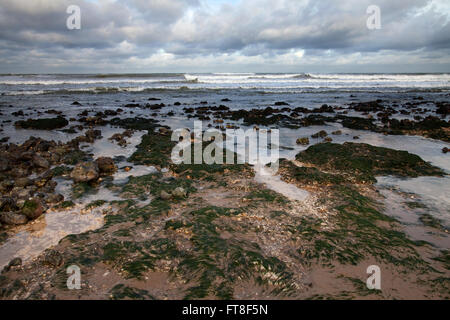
[303,76]
[254,89]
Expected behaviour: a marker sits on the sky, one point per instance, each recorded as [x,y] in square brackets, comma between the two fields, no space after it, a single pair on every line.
[143,36]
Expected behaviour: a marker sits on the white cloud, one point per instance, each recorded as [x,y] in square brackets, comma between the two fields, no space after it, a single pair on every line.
[211,35]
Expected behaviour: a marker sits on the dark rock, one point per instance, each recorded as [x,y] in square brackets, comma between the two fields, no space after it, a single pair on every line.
[106,165]
[54,198]
[42,124]
[320,134]
[8,204]
[4,164]
[443,108]
[12,218]
[52,258]
[16,262]
[23,182]
[40,162]
[93,134]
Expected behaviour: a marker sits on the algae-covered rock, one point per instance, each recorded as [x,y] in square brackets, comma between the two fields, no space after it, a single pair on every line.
[42,124]
[320,134]
[366,161]
[85,171]
[32,209]
[164,195]
[303,141]
[179,192]
[307,176]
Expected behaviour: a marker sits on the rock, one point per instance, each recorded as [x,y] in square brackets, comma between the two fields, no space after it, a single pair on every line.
[52,258]
[179,192]
[93,134]
[445,150]
[8,204]
[85,171]
[337,132]
[106,165]
[22,193]
[6,185]
[12,218]
[303,141]
[4,164]
[443,108]
[54,198]
[16,262]
[23,182]
[32,209]
[40,162]
[328,139]
[320,134]
[76,103]
[164,195]
[42,124]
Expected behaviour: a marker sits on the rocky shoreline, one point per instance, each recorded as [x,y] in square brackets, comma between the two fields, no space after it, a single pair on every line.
[211,231]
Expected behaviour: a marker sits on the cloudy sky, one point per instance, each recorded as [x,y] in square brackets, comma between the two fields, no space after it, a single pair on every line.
[224,36]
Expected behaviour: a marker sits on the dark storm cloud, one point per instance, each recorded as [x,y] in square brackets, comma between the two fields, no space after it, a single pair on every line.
[179,33]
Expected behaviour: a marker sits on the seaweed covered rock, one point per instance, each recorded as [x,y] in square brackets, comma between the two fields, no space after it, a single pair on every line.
[364,161]
[155,149]
[32,209]
[307,176]
[85,171]
[358,123]
[303,141]
[136,123]
[42,124]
